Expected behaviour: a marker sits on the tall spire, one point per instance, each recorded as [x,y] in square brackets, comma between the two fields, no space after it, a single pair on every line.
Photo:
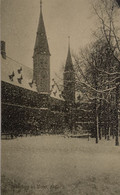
[69,78]
[41,44]
[69,64]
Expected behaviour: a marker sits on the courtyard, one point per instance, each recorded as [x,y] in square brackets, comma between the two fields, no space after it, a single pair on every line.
[58,165]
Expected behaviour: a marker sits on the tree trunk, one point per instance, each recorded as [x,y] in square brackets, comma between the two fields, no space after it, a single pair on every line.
[109,132]
[117,104]
[96,109]
[105,131]
[108,124]
[100,128]
[113,134]
[100,132]
[97,127]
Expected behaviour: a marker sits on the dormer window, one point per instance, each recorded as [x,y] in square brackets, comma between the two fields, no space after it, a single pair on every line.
[55,93]
[20,79]
[31,84]
[11,76]
[19,70]
[60,95]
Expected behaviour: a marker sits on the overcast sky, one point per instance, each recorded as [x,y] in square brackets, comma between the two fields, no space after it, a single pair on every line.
[62,18]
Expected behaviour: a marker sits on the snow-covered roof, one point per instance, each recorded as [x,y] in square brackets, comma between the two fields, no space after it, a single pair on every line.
[20,75]
[17,74]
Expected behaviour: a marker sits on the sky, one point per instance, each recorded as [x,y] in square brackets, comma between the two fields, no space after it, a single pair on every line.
[62,18]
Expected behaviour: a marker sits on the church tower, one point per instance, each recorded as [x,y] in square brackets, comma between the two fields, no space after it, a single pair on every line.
[69,79]
[41,58]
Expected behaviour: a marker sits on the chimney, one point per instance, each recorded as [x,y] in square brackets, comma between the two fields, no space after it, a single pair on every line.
[3,52]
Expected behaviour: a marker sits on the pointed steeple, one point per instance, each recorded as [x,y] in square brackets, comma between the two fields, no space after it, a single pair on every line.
[41,44]
[41,58]
[69,78]
[69,64]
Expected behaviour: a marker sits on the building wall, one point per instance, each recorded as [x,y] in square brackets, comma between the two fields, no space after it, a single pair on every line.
[23,110]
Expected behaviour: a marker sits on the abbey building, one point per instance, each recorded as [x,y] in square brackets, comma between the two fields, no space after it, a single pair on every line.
[28,100]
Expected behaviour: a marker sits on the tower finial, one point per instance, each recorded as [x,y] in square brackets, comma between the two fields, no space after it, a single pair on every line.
[69,43]
[40,4]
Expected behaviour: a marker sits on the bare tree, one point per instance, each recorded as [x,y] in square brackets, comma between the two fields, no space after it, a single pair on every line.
[94,77]
[107,13]
[101,72]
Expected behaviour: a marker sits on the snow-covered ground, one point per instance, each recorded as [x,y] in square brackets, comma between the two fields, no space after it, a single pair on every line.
[54,165]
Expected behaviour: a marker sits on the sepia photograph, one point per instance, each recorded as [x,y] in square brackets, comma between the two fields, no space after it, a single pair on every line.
[60,97]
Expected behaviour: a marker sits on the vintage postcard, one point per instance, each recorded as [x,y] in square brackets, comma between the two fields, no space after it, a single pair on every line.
[60,97]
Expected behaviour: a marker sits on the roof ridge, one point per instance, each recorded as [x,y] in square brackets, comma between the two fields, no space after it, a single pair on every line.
[19,63]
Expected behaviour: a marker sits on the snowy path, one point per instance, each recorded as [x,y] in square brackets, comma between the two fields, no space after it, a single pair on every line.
[56,165]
